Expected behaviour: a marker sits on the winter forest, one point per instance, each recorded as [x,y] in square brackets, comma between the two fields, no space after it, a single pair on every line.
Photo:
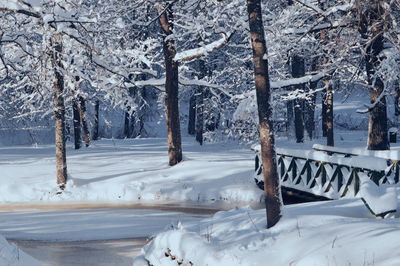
[199,132]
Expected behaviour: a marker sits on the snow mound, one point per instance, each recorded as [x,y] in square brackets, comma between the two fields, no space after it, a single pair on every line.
[380,200]
[338,232]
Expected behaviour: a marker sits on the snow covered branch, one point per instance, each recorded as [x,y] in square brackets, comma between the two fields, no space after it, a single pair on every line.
[201,51]
[297,81]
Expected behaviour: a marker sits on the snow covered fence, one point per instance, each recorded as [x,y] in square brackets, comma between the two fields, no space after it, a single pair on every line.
[329,175]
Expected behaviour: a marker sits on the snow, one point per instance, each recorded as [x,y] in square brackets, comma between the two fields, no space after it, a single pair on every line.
[340,232]
[204,50]
[11,255]
[380,199]
[135,170]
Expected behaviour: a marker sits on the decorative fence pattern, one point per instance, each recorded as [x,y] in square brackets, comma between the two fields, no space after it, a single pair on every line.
[328,174]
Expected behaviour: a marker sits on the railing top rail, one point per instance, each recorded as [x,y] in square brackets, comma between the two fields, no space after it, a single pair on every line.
[393,155]
[361,161]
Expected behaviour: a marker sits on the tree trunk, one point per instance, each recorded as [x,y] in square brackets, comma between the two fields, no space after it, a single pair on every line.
[297,67]
[85,127]
[192,115]
[59,113]
[263,92]
[329,114]
[77,124]
[96,120]
[171,85]
[290,128]
[310,106]
[372,25]
[199,114]
[127,124]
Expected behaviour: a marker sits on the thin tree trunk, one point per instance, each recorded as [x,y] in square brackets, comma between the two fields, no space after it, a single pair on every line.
[263,92]
[59,113]
[77,124]
[192,115]
[127,124]
[329,114]
[171,85]
[372,23]
[85,127]
[297,67]
[310,106]
[199,114]
[96,120]
[290,128]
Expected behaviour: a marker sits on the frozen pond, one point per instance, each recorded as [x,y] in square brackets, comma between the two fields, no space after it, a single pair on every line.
[83,253]
[90,236]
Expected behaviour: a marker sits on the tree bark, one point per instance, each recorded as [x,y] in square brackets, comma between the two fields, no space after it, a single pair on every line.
[171,84]
[85,127]
[192,115]
[297,68]
[372,24]
[127,124]
[77,124]
[329,114]
[59,113]
[96,120]
[310,106]
[263,92]
[199,114]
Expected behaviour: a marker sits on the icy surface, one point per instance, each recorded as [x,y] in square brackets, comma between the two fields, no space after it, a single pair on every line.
[11,255]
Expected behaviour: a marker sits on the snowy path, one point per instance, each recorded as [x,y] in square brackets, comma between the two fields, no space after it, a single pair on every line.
[101,236]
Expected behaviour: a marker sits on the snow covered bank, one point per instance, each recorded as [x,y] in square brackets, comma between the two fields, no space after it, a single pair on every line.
[340,232]
[129,171]
[11,255]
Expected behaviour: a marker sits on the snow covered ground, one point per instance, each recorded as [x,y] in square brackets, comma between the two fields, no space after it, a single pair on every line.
[339,232]
[136,172]
[129,171]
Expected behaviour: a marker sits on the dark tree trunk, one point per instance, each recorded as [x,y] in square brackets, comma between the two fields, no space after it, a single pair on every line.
[310,106]
[297,68]
[77,124]
[329,114]
[96,120]
[85,126]
[59,113]
[290,128]
[263,92]
[127,124]
[372,24]
[171,85]
[199,114]
[323,113]
[192,115]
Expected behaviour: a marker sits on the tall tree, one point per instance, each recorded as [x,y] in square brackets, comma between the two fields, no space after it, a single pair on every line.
[373,20]
[263,92]
[171,83]
[59,113]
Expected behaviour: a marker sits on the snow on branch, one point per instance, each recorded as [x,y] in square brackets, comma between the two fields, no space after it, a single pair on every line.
[201,51]
[370,107]
[297,81]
